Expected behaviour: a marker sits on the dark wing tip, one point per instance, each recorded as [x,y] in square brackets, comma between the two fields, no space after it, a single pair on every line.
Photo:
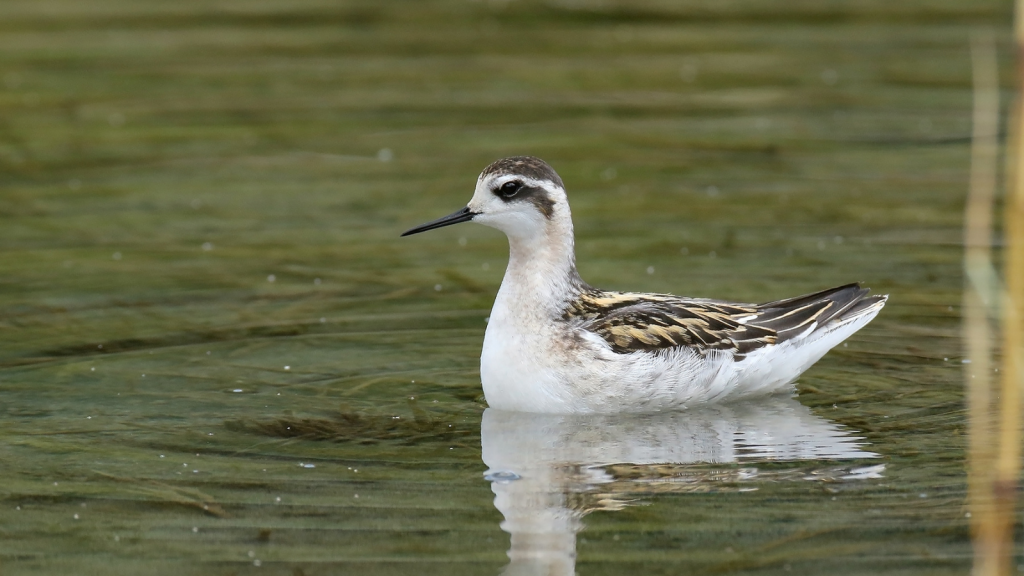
[793,316]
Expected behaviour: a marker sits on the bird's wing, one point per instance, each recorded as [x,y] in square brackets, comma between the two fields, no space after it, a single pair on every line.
[795,317]
[631,322]
[649,322]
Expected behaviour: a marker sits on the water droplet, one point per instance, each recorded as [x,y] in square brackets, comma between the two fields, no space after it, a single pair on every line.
[829,77]
[502,477]
[385,155]
[650,269]
[437,287]
[207,246]
[316,281]
[271,278]
[237,390]
[462,241]
[287,367]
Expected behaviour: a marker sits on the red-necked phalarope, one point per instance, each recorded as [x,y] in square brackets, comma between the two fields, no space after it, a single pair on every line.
[555,344]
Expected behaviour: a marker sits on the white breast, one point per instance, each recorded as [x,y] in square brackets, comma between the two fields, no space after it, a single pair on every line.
[519,364]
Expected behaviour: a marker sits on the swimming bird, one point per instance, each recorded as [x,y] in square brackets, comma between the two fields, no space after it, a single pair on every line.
[555,344]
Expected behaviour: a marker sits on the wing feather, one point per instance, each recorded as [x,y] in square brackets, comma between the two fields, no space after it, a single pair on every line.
[632,322]
[650,322]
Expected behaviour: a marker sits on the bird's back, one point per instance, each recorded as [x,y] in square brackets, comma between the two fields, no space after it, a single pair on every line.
[636,322]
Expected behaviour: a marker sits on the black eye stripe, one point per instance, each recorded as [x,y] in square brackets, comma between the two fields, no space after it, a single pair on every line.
[538,196]
[509,189]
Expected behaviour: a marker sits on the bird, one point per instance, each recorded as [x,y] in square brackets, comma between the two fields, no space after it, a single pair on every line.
[555,344]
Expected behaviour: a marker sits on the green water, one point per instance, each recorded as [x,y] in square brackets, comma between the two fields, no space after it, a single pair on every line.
[168,409]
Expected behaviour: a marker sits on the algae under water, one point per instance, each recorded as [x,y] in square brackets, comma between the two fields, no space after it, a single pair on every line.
[218,357]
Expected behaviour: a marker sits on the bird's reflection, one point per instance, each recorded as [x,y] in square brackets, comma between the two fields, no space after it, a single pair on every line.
[548,471]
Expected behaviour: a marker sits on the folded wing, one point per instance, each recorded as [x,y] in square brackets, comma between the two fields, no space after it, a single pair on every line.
[631,322]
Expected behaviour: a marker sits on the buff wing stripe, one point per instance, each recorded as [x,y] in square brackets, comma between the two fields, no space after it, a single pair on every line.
[631,322]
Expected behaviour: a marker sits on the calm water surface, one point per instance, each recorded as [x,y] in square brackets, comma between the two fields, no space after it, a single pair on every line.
[217,356]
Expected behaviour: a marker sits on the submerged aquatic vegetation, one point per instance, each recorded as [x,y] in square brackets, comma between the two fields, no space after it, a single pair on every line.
[369,428]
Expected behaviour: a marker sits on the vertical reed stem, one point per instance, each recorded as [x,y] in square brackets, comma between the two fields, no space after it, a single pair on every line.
[1007,468]
[980,291]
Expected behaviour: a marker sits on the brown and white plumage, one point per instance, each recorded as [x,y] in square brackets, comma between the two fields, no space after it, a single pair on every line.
[556,344]
[632,322]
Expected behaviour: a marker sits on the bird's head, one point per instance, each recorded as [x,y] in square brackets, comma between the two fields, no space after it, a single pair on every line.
[520,195]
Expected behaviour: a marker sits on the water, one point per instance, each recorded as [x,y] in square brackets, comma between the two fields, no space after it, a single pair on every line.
[218,357]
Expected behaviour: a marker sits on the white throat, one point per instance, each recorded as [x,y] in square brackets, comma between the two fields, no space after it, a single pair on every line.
[541,275]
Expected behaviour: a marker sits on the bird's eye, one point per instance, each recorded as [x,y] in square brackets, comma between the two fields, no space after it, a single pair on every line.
[510,188]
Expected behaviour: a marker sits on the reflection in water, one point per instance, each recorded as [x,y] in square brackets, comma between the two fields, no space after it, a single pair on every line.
[548,471]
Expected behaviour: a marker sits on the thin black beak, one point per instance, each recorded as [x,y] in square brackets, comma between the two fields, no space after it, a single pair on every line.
[464,215]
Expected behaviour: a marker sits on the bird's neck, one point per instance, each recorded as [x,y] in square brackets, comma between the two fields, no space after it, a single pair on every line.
[541,275]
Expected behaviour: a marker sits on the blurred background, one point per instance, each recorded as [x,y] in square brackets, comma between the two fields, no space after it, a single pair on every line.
[208,321]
